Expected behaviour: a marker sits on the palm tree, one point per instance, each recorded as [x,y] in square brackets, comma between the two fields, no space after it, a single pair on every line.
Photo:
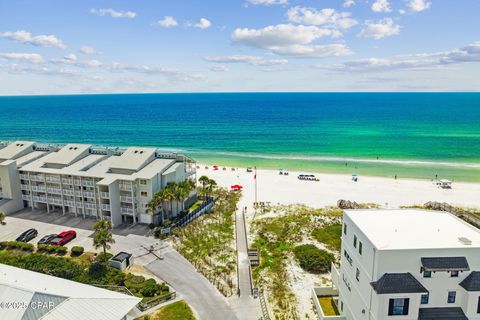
[184,189]
[2,218]
[211,185]
[169,194]
[103,236]
[204,181]
[153,204]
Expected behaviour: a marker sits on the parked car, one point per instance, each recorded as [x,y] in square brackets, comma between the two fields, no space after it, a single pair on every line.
[27,235]
[63,238]
[47,239]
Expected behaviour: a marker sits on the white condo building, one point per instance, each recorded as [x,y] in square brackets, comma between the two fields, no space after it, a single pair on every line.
[88,181]
[408,264]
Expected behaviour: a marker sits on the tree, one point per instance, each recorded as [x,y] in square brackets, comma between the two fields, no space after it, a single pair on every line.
[2,218]
[313,259]
[211,186]
[169,194]
[204,180]
[103,236]
[184,189]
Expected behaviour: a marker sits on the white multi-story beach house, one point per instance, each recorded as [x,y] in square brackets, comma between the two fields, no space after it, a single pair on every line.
[407,264]
[88,181]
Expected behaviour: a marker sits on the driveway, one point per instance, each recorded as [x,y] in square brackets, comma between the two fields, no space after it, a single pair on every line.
[204,298]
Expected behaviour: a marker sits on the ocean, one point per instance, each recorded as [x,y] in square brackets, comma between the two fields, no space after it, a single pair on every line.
[414,135]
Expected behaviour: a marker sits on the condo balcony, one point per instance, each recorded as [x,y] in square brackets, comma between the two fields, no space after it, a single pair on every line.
[25,187]
[126,210]
[126,199]
[105,195]
[54,190]
[68,192]
[52,179]
[39,199]
[88,183]
[23,176]
[26,197]
[125,187]
[90,206]
[105,207]
[38,188]
[37,177]
[67,181]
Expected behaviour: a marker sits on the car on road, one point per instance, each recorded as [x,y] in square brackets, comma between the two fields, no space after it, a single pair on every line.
[47,239]
[64,237]
[27,235]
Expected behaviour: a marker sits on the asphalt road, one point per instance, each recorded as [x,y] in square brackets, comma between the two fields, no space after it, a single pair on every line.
[204,298]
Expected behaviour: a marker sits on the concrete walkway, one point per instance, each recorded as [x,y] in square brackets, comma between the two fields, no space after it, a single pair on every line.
[199,293]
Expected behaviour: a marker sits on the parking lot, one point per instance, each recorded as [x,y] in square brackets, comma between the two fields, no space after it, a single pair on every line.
[127,238]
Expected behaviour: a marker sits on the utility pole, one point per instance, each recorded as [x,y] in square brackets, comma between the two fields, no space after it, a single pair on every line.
[255,177]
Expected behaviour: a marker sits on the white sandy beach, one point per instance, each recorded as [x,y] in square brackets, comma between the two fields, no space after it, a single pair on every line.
[391,193]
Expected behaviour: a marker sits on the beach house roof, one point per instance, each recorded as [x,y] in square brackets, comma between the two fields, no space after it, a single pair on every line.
[398,283]
[16,149]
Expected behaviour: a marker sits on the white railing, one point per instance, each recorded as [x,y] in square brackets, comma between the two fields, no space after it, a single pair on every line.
[126,210]
[55,201]
[105,207]
[52,179]
[25,187]
[38,188]
[67,181]
[68,192]
[54,190]
[69,203]
[88,194]
[39,199]
[126,199]
[335,275]
[24,176]
[78,182]
[37,177]
[88,183]
[90,205]
[105,195]
[125,187]
[26,197]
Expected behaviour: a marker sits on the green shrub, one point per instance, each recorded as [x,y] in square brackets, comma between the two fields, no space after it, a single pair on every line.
[313,259]
[330,235]
[103,257]
[3,245]
[77,251]
[61,250]
[14,245]
[27,246]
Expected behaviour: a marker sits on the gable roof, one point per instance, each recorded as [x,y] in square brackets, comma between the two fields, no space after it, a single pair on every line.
[398,283]
[445,264]
[471,282]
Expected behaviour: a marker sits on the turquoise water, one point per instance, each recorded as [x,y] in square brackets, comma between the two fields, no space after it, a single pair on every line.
[326,132]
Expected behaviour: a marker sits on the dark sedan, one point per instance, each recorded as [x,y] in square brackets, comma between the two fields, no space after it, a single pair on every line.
[47,239]
[27,235]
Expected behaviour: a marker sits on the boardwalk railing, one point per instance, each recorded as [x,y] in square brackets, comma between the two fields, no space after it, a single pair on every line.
[263,305]
[206,205]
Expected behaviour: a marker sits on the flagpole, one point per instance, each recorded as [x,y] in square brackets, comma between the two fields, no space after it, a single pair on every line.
[255,177]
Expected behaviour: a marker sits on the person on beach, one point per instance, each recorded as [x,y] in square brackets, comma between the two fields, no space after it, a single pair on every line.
[395,177]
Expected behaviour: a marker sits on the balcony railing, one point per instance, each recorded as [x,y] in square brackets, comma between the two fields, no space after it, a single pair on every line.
[88,194]
[26,197]
[25,187]
[125,187]
[24,176]
[37,178]
[69,203]
[52,179]
[105,207]
[55,201]
[126,210]
[105,195]
[54,190]
[126,199]
[78,182]
[88,183]
[68,192]
[38,188]
[67,181]
[90,205]
[40,199]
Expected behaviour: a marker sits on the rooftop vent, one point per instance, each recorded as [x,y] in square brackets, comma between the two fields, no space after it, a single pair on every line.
[465,241]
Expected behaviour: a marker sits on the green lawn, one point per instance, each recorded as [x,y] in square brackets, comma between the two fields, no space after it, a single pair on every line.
[330,235]
[328,306]
[195,205]
[176,311]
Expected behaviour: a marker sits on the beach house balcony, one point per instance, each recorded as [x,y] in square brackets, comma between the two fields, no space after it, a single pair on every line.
[23,176]
[105,207]
[105,195]
[25,187]
[126,210]
[52,179]
[126,199]
[26,197]
[125,187]
[325,298]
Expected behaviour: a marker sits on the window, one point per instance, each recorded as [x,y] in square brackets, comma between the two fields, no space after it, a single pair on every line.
[398,307]
[345,229]
[451,296]
[357,275]
[355,241]
[478,305]
[360,247]
[454,274]
[144,194]
[144,182]
[424,298]
[427,274]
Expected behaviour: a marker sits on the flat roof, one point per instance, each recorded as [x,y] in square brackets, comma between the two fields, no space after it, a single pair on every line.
[414,229]
[15,149]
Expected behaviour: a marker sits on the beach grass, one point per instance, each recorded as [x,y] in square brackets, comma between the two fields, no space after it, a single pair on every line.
[176,311]
[329,307]
[330,235]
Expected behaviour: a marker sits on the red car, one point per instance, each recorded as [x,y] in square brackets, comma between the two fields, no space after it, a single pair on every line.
[63,238]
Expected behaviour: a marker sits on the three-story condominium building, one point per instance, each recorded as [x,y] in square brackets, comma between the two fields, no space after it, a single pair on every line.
[408,264]
[88,181]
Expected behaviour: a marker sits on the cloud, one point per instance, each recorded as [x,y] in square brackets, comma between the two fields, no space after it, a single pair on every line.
[71,57]
[86,50]
[328,17]
[291,40]
[381,6]
[39,41]
[469,53]
[203,24]
[380,29]
[348,3]
[219,68]
[113,13]
[419,5]
[252,60]
[267,2]
[24,57]
[167,22]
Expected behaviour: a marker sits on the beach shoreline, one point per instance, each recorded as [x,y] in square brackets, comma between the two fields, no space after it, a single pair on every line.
[386,192]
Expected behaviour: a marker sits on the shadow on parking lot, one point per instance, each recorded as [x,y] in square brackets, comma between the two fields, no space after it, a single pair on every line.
[69,220]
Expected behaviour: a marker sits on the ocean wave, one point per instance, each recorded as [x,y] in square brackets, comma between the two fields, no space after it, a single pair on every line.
[340,159]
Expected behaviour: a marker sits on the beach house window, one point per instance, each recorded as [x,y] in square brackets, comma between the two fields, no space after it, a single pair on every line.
[398,307]
[427,274]
[454,274]
[424,298]
[144,194]
[355,241]
[451,296]
[360,247]
[357,275]
[144,182]
[345,229]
